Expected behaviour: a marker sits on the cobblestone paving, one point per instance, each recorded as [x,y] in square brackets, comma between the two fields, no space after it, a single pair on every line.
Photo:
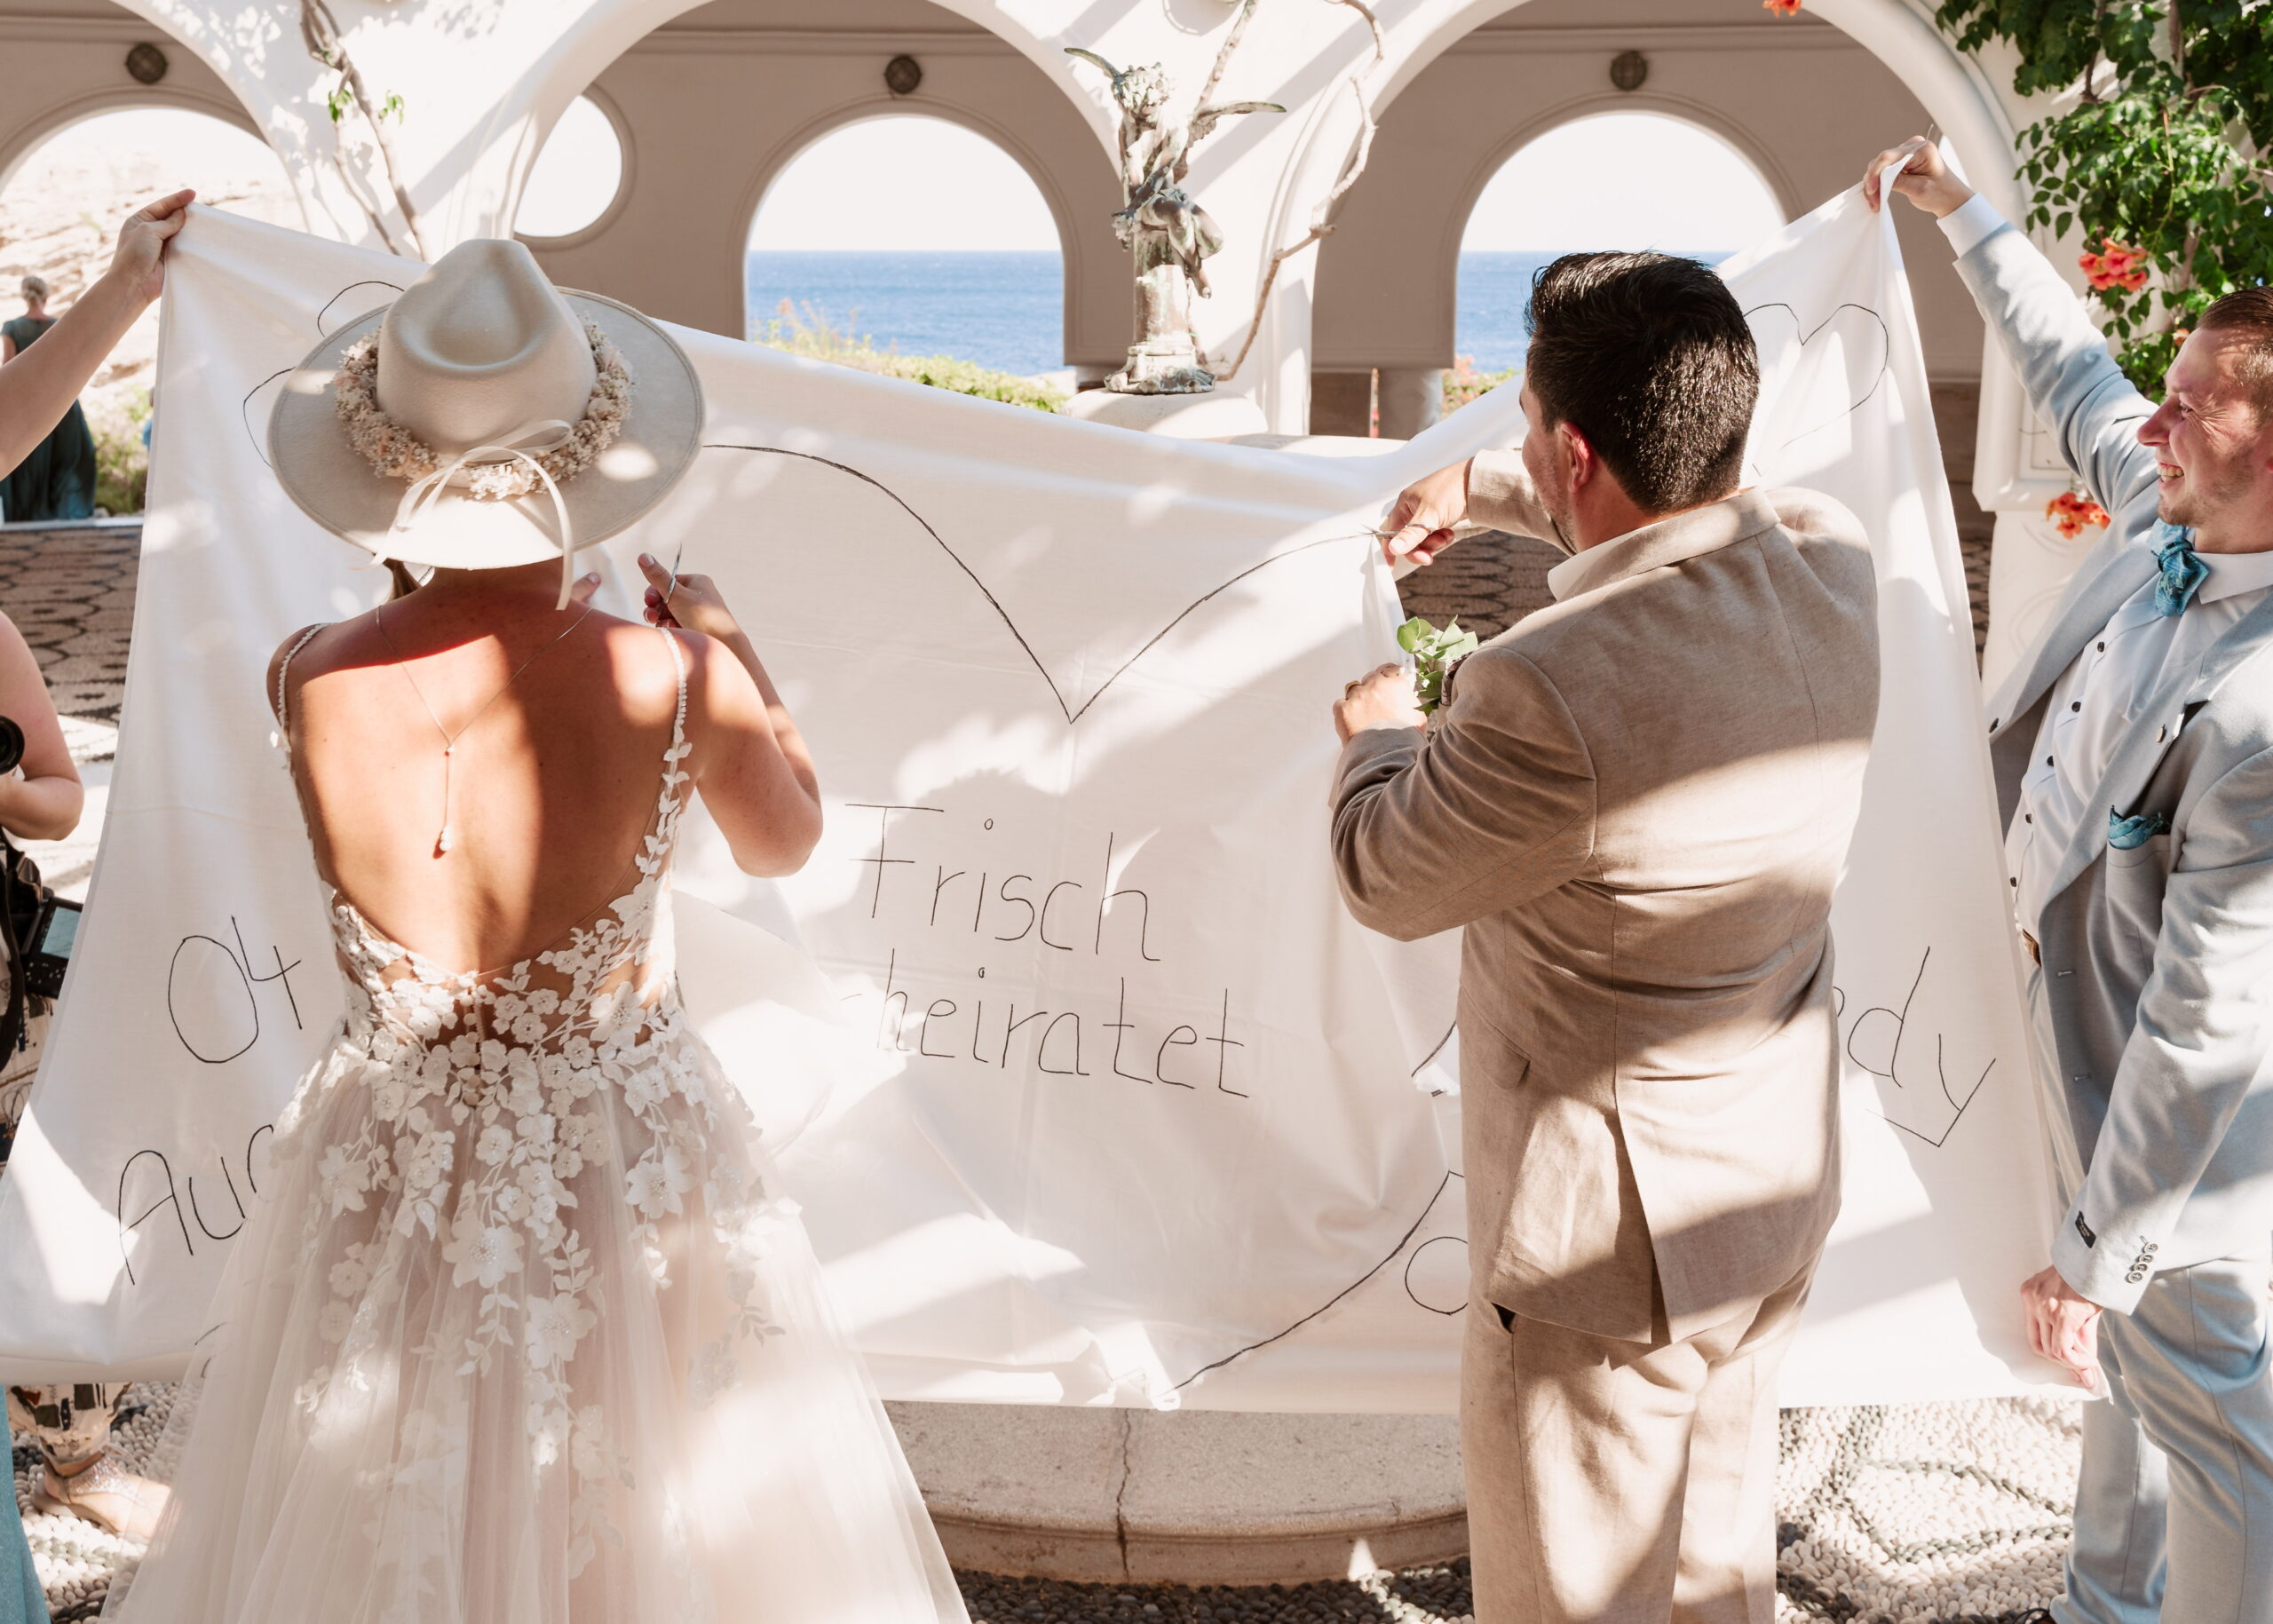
[1915,1514]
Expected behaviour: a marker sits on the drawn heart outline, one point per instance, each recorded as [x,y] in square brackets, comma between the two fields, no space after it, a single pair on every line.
[1808,336]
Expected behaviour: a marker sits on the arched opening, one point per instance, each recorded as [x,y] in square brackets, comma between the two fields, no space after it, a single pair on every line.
[59,217]
[1615,180]
[580,177]
[859,244]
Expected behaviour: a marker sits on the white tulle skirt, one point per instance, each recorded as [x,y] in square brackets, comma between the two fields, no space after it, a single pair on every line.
[407,1416]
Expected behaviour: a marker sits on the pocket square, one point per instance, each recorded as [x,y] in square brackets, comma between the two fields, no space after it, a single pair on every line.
[2124,834]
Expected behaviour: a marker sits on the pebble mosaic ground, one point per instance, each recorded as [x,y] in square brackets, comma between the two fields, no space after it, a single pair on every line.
[1915,1514]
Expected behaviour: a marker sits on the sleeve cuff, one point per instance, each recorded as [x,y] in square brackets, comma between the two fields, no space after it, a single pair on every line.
[1968,226]
[2104,1268]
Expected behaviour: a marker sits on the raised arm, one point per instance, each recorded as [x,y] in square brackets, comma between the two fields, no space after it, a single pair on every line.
[753,771]
[2063,358]
[1490,491]
[37,388]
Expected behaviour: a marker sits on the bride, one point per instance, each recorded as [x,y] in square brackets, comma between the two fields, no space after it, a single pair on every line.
[527,1332]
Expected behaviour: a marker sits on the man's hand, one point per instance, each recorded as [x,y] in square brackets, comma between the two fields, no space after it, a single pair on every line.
[139,261]
[2063,1327]
[1926,180]
[1421,520]
[1383,698]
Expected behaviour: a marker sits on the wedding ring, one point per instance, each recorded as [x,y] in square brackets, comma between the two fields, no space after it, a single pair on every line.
[1350,688]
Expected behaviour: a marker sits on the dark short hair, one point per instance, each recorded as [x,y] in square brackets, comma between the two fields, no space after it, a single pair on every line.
[2248,311]
[1650,357]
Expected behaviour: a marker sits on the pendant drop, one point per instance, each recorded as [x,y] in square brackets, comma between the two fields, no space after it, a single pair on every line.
[442,843]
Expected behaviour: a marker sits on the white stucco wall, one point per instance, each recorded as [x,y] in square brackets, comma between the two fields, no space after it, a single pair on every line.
[1803,102]
[718,102]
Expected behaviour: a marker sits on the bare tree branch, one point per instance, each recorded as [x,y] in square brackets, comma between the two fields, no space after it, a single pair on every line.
[1223,56]
[319,31]
[1321,224]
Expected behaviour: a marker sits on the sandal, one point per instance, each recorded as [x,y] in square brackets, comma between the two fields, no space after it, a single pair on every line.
[105,1494]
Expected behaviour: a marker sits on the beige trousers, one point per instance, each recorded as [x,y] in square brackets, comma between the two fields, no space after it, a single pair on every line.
[1624,1483]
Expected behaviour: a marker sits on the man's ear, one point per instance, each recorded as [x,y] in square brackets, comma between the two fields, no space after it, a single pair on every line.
[1577,455]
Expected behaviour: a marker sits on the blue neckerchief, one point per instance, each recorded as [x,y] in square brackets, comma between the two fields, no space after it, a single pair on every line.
[2129,834]
[2183,574]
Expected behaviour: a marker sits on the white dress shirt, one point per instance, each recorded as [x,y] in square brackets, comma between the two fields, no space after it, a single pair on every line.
[2097,697]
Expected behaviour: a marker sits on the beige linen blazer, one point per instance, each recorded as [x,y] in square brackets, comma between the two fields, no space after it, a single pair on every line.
[1637,802]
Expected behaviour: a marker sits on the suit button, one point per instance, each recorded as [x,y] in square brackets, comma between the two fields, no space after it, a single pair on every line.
[1992,728]
[2028,817]
[2047,761]
[2161,734]
[2076,705]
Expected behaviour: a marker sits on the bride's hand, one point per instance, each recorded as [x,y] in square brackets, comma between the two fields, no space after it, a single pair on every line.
[693,604]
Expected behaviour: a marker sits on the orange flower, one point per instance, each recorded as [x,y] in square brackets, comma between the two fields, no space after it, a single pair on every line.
[1782,8]
[2070,513]
[2118,267]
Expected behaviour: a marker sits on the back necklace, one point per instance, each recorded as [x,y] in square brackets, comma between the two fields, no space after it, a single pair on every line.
[446,839]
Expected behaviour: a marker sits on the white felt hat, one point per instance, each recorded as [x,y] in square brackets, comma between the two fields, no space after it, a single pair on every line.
[483,346]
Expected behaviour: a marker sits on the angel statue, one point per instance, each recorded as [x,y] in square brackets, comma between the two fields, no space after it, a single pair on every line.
[1171,235]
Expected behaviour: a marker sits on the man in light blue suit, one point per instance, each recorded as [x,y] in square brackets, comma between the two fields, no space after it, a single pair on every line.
[2133,754]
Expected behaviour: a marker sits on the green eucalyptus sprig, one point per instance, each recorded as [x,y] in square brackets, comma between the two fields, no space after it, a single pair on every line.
[1433,654]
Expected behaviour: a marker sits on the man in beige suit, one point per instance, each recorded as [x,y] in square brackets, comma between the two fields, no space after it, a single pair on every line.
[1637,803]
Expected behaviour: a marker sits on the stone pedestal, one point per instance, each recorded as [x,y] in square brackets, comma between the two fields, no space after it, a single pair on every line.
[1188,1497]
[1213,415]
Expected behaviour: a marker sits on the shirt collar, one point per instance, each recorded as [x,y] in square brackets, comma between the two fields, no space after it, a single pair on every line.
[2232,574]
[1670,541]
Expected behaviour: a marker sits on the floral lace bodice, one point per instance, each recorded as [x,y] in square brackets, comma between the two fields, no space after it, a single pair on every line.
[495,1095]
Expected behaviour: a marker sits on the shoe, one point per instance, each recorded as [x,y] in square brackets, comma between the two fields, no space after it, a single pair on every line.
[105,1494]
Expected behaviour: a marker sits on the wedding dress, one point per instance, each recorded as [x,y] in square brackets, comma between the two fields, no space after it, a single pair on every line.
[528,1332]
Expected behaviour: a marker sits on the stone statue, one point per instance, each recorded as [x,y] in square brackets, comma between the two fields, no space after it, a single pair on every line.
[1169,233]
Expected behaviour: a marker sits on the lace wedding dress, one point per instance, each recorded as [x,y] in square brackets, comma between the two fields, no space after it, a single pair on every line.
[528,1334]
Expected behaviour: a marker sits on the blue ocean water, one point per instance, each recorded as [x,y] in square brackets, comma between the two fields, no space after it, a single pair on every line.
[1493,290]
[1006,309]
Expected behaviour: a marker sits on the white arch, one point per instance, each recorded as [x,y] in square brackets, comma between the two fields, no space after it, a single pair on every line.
[873,108]
[21,144]
[1708,121]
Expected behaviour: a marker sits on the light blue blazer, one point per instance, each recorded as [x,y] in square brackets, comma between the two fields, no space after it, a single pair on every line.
[2158,961]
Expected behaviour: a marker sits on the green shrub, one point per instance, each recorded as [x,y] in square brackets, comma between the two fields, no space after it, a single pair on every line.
[810,333]
[122,463]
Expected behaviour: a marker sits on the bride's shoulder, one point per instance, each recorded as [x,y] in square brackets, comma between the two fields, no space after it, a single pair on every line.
[297,656]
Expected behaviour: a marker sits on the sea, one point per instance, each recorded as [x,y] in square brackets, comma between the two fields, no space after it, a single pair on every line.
[1005,310]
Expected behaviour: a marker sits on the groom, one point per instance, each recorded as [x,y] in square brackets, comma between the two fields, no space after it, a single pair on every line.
[1637,803]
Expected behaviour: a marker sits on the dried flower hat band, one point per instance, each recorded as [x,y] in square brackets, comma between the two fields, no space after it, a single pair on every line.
[538,455]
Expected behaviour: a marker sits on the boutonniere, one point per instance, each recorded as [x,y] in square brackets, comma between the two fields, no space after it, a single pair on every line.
[1433,654]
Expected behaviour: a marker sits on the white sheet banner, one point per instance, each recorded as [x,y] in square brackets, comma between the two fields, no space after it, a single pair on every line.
[1118,1105]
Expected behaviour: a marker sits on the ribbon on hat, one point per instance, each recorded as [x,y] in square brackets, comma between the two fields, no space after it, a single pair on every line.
[2183,573]
[538,434]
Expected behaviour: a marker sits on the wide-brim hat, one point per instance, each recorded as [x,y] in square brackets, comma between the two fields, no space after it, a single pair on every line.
[480,343]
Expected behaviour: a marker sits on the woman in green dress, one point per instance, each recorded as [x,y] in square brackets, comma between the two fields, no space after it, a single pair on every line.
[58,479]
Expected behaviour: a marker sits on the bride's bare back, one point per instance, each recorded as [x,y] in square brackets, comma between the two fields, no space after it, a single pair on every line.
[553,775]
